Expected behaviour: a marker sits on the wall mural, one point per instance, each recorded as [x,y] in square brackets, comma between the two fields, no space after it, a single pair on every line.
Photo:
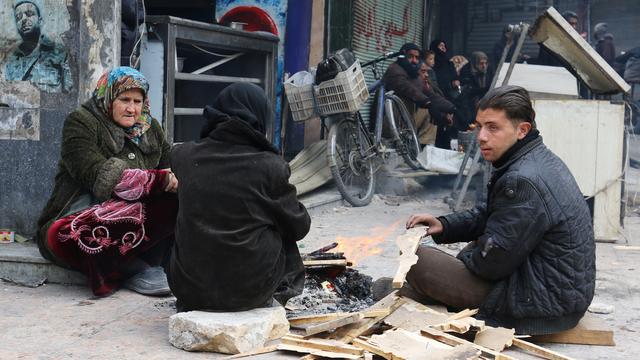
[30,45]
[266,15]
[19,111]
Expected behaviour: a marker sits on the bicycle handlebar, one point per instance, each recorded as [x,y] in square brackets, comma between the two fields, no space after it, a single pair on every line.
[386,56]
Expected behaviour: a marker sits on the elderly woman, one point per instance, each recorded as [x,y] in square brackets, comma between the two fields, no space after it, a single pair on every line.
[111,214]
[239,217]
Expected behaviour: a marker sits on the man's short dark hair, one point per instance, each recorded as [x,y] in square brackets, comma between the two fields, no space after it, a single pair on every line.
[515,102]
[569,14]
[408,47]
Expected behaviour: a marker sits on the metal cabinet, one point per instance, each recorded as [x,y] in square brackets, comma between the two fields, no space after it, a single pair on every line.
[189,62]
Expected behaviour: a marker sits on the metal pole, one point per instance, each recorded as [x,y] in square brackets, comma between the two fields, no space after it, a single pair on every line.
[524,29]
[505,51]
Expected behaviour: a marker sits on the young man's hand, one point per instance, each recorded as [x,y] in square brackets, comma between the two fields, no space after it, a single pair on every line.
[434,226]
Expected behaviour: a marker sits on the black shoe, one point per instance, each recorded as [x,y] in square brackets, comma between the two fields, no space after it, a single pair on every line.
[151,281]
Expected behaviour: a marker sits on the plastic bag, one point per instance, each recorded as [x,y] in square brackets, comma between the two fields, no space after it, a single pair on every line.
[441,160]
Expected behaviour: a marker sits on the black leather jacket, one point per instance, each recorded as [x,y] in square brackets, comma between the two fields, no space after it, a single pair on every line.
[534,239]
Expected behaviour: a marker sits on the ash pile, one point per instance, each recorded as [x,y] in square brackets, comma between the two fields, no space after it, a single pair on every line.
[330,285]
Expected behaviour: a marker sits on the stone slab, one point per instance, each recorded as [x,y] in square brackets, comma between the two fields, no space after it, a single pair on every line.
[227,332]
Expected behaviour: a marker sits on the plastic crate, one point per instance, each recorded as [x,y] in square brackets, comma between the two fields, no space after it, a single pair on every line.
[344,93]
[300,98]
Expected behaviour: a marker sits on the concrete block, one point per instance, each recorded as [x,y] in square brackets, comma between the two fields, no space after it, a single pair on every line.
[227,332]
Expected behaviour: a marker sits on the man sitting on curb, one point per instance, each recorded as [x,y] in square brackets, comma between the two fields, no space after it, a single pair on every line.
[403,77]
[530,261]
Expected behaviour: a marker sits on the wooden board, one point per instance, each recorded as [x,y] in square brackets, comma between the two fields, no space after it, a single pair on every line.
[413,318]
[463,314]
[317,352]
[408,244]
[626,247]
[461,326]
[315,346]
[453,341]
[539,350]
[342,262]
[495,338]
[352,331]
[311,319]
[363,344]
[332,324]
[589,331]
[264,350]
[402,344]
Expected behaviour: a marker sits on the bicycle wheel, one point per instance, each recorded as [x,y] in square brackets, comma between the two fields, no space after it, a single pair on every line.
[352,172]
[404,132]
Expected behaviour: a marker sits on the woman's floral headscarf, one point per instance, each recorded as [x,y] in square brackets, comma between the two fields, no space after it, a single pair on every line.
[113,83]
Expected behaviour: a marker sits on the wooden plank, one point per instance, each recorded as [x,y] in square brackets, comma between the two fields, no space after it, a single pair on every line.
[580,336]
[298,322]
[413,317]
[623,247]
[318,352]
[495,338]
[332,324]
[310,319]
[372,348]
[463,314]
[454,341]
[376,312]
[352,331]
[589,331]
[461,326]
[342,262]
[402,344]
[539,350]
[325,346]
[408,244]
[264,350]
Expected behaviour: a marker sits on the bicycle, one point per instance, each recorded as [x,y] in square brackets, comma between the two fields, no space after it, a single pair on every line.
[354,152]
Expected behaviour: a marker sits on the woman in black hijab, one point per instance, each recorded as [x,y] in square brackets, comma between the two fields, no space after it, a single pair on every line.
[448,79]
[239,217]
[449,83]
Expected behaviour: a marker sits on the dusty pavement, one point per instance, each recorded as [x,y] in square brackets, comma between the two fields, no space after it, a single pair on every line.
[56,322]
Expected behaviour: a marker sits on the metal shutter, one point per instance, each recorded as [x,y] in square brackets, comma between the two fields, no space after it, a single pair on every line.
[383,26]
[486,19]
[623,17]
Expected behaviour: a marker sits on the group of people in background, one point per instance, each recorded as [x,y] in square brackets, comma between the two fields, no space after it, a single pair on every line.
[439,89]
[442,90]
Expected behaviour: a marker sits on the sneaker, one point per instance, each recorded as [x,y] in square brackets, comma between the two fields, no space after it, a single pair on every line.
[151,281]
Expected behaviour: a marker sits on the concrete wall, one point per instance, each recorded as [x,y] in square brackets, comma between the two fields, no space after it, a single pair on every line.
[80,40]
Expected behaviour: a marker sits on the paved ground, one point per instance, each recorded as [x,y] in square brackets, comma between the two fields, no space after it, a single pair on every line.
[55,321]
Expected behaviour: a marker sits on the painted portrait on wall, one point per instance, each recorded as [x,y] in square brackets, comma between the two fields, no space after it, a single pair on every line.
[30,48]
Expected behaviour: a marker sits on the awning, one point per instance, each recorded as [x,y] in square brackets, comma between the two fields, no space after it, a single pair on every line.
[553,32]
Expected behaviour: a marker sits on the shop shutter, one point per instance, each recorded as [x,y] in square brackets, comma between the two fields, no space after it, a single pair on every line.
[383,26]
[623,18]
[486,19]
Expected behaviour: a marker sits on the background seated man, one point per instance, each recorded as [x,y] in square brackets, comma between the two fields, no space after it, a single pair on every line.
[403,78]
[530,262]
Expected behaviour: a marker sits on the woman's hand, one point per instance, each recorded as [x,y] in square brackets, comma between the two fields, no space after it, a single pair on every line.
[172,182]
[434,226]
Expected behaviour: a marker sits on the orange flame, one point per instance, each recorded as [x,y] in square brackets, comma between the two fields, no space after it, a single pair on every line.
[359,247]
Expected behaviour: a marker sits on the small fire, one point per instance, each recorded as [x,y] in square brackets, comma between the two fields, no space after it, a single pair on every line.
[359,247]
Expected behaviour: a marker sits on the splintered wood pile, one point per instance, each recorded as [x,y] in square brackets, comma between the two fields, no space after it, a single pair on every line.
[400,328]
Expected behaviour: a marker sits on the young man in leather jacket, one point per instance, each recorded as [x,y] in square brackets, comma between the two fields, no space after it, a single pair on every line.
[530,261]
